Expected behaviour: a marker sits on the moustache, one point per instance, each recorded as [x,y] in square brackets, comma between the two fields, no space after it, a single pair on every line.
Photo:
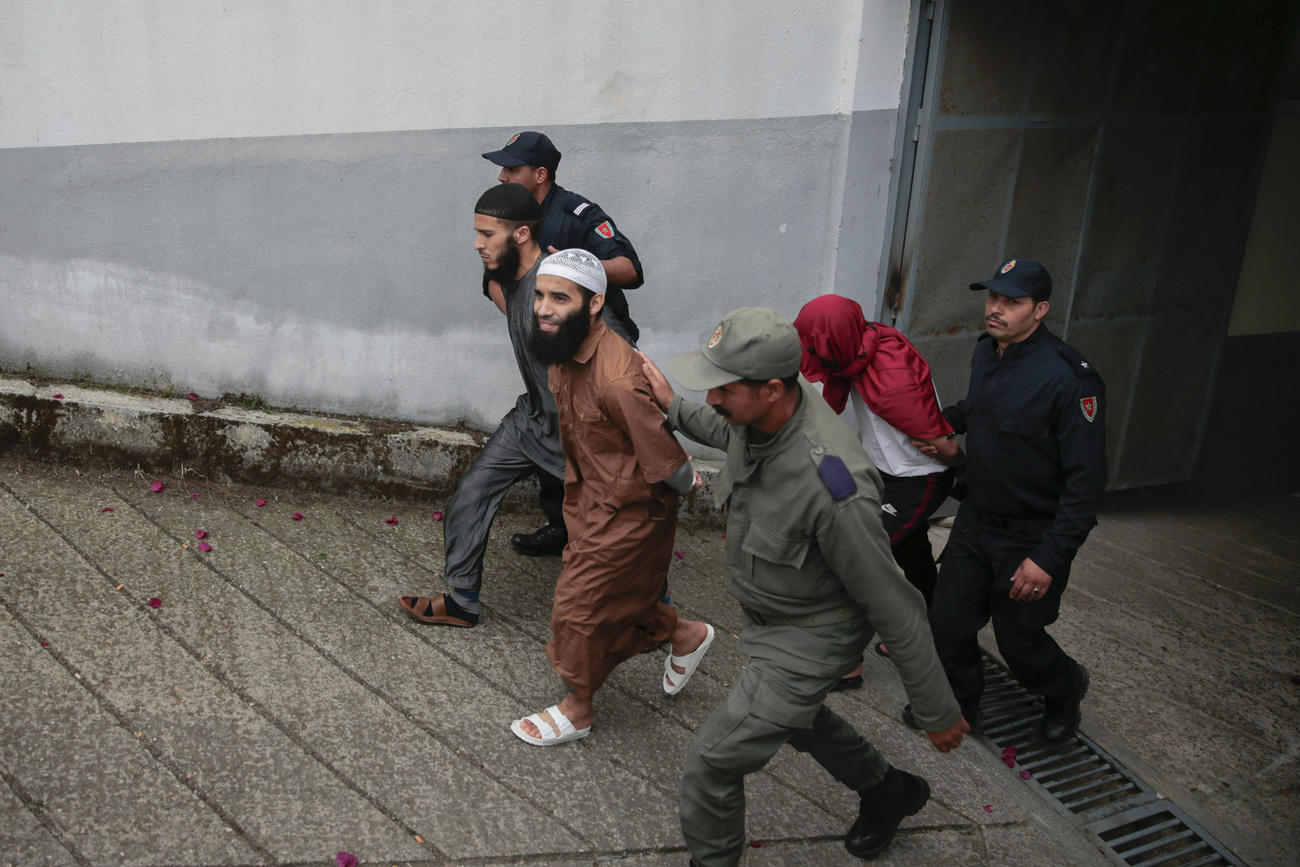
[722,412]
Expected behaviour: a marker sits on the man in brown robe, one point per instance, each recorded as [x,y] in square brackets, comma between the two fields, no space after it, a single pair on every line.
[623,473]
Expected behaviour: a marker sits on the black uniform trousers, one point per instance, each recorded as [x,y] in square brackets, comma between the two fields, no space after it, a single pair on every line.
[974,585]
[913,500]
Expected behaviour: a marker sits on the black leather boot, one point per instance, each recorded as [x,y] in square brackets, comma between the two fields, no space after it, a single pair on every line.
[1061,715]
[549,540]
[884,805]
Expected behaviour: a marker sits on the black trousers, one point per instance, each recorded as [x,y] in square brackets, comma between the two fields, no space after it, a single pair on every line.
[550,496]
[907,502]
[974,585]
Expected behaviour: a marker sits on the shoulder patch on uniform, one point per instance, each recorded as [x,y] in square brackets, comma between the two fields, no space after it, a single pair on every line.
[605,230]
[837,478]
[582,207]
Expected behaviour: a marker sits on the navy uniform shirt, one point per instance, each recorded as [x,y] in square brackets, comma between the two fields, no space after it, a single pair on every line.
[1034,421]
[569,220]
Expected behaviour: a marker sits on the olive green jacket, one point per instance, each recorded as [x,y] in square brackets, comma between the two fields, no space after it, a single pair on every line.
[807,555]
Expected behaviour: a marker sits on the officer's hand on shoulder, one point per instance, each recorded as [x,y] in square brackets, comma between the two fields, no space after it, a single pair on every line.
[659,387]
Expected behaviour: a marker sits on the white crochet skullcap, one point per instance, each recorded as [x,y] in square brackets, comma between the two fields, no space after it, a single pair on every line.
[578,266]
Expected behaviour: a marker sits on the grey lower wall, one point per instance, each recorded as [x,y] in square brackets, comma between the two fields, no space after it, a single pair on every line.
[336,272]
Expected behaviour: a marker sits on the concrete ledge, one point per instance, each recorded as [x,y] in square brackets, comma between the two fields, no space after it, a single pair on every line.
[370,457]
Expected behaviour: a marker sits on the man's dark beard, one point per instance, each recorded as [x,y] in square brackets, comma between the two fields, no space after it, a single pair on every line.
[505,272]
[559,346]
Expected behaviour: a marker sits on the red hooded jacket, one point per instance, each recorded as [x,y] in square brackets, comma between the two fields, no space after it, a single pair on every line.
[843,350]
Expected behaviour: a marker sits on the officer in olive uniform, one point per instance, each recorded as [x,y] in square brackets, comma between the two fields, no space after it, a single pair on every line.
[568,220]
[1034,419]
[810,563]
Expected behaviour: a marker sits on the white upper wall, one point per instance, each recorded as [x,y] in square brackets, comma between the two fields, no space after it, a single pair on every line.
[76,72]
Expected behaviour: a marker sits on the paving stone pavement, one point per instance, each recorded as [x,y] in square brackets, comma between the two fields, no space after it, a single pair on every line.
[265,701]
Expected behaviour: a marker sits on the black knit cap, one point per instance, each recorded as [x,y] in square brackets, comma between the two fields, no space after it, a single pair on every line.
[509,202]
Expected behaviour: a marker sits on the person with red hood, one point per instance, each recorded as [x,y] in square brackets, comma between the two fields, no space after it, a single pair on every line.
[875,368]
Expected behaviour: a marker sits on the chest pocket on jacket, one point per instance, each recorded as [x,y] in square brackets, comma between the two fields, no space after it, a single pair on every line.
[774,562]
[597,431]
[1026,426]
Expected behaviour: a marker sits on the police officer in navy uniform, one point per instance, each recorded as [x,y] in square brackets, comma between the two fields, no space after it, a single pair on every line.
[1034,420]
[568,220]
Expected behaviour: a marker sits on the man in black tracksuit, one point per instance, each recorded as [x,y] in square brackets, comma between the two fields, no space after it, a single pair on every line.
[1034,420]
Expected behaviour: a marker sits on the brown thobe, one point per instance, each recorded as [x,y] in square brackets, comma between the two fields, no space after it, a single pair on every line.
[620,515]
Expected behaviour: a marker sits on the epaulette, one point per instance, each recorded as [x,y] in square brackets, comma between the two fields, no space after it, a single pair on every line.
[834,473]
[577,204]
[574,203]
[1075,359]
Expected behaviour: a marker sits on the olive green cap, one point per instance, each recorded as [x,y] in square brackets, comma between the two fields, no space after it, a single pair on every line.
[750,343]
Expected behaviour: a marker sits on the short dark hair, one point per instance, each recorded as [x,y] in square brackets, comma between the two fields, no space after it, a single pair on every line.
[790,382]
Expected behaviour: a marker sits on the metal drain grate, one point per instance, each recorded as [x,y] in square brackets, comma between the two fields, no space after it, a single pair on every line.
[1131,823]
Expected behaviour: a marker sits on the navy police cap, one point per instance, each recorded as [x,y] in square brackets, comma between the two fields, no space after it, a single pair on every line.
[528,148]
[1019,278]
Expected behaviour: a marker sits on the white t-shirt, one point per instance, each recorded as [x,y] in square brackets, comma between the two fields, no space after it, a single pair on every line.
[889,448]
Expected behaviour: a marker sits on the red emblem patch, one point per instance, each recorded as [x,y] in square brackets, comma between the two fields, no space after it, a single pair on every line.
[1089,407]
[605,230]
[514,138]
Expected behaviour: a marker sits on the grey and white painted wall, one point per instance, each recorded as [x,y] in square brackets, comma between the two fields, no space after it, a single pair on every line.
[239,196]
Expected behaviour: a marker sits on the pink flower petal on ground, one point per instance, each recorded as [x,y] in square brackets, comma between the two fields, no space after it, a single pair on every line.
[200,534]
[679,555]
[45,644]
[346,860]
[261,502]
[437,514]
[724,534]
[988,808]
[157,487]
[194,495]
[106,509]
[155,602]
[58,397]
[1009,751]
[297,516]
[1025,775]
[205,547]
[392,522]
[192,396]
[1009,761]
